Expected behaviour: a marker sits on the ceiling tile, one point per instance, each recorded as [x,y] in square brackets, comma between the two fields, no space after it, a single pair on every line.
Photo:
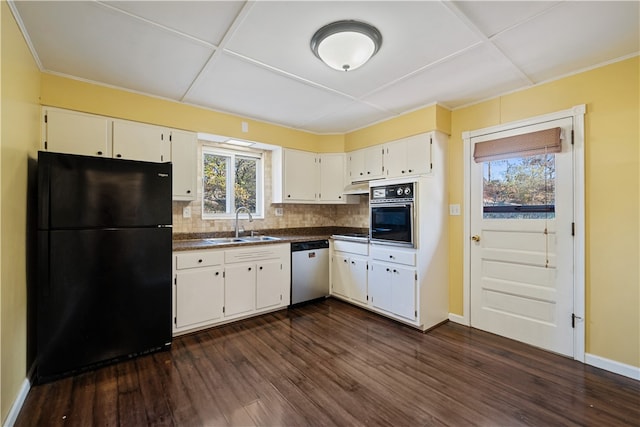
[204,20]
[414,34]
[476,75]
[491,17]
[575,36]
[241,87]
[93,42]
[353,116]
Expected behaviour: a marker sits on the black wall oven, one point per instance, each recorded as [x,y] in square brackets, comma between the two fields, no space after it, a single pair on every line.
[392,214]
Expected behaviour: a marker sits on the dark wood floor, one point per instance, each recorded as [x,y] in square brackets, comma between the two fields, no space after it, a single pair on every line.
[333,364]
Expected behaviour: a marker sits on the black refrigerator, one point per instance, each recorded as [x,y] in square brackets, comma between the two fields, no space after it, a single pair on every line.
[103,262]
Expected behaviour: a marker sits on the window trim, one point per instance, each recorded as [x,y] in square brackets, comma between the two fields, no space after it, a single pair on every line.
[232,154]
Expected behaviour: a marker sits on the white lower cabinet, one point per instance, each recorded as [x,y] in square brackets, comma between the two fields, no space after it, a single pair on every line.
[349,267]
[217,286]
[392,288]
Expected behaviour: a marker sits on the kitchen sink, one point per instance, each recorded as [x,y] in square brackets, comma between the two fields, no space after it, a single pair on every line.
[259,239]
[227,240]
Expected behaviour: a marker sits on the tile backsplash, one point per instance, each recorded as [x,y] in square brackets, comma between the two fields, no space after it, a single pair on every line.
[294,215]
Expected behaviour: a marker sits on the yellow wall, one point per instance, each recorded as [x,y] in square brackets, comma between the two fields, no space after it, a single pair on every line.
[20,88]
[76,95]
[612,161]
[434,117]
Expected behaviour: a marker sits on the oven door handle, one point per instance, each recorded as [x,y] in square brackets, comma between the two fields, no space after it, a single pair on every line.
[392,205]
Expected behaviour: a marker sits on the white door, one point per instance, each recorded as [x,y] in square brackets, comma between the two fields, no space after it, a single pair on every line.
[522,273]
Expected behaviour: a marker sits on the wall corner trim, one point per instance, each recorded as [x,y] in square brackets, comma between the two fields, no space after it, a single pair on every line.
[623,369]
[17,404]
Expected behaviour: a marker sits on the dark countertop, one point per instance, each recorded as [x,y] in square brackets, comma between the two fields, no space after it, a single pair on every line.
[197,241]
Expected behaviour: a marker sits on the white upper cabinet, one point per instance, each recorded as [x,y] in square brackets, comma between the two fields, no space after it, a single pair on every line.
[408,156]
[332,174]
[67,131]
[139,141]
[306,177]
[365,164]
[185,164]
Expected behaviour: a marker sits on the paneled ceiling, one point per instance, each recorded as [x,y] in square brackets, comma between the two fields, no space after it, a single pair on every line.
[253,58]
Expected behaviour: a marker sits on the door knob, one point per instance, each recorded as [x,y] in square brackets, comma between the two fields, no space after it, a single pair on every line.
[475,238]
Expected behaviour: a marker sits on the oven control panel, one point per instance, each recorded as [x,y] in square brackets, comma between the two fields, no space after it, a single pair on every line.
[396,192]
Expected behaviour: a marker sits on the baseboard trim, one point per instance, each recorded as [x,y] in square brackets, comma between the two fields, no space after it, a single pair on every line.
[17,404]
[456,318]
[628,371]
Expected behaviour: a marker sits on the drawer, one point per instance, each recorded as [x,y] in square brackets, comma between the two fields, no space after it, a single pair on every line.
[351,247]
[399,256]
[199,259]
[256,253]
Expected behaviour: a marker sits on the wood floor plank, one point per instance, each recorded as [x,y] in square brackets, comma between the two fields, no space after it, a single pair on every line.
[330,363]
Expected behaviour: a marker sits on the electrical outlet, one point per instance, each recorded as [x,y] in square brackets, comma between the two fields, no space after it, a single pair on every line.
[245,127]
[279,211]
[454,210]
[186,212]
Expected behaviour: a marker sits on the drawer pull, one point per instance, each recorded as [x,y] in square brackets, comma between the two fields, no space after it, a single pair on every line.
[199,261]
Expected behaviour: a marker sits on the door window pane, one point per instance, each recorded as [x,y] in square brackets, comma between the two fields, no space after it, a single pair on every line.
[519,188]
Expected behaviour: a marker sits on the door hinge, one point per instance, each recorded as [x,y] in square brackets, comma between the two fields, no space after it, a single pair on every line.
[175,280]
[573,319]
[45,145]
[573,228]
[280,297]
[170,138]
[162,157]
[431,166]
[416,276]
[415,313]
[223,274]
[367,297]
[175,320]
[280,266]
[223,308]
[571,136]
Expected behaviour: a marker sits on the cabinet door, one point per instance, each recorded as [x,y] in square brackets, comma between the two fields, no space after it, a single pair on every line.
[418,154]
[373,162]
[269,284]
[300,176]
[332,172]
[239,289]
[77,133]
[355,166]
[380,286]
[340,273]
[184,159]
[403,292]
[139,141]
[199,296]
[358,282]
[395,158]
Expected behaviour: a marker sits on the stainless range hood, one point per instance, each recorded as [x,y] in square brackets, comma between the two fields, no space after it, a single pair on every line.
[357,188]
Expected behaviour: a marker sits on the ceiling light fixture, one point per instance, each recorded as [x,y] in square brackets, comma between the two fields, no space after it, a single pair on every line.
[346,45]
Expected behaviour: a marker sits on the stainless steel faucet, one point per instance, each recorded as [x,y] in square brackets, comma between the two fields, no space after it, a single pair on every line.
[242,208]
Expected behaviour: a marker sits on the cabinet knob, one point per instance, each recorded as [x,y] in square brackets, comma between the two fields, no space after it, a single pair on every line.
[361,173]
[388,269]
[368,173]
[339,197]
[288,195]
[118,155]
[410,170]
[402,171]
[260,267]
[353,262]
[188,191]
[217,273]
[345,260]
[99,153]
[390,256]
[395,271]
[199,261]
[249,269]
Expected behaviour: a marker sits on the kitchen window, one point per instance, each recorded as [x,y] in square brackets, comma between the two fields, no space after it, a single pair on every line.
[231,179]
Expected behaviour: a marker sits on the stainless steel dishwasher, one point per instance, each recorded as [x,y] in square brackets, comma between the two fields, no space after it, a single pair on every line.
[309,270]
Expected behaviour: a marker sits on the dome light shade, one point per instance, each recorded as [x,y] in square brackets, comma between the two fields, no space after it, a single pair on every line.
[346,45]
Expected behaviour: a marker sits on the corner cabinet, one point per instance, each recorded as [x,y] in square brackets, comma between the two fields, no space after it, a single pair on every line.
[66,131]
[216,286]
[306,177]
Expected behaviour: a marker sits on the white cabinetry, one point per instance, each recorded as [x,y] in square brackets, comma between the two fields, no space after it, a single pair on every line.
[217,286]
[76,133]
[198,288]
[393,281]
[185,164]
[306,177]
[365,164]
[139,141]
[349,267]
[408,156]
[71,132]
